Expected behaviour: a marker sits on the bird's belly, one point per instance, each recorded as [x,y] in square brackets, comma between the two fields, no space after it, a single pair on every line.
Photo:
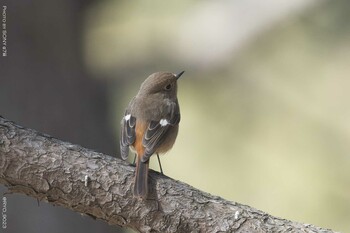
[169,140]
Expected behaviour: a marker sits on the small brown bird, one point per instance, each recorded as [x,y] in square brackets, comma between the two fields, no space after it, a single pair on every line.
[150,124]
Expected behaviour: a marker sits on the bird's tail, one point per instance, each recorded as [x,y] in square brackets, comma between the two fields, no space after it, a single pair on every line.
[141,178]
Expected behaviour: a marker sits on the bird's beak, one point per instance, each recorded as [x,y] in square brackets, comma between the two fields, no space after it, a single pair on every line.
[179,74]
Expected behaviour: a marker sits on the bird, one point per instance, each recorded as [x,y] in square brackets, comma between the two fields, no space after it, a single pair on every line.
[150,125]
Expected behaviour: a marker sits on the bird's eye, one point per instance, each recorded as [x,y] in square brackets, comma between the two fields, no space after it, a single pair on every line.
[168,87]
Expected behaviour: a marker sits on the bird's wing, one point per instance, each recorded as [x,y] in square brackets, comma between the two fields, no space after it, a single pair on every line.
[127,133]
[156,131]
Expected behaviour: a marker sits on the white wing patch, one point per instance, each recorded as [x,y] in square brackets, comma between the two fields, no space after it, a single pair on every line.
[127,117]
[163,122]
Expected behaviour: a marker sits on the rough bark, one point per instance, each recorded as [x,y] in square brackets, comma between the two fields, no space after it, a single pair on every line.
[46,168]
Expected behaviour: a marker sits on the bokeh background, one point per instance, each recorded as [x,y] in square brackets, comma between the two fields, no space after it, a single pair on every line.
[264,100]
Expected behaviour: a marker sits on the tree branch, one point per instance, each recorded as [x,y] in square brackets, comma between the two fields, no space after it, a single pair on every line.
[98,185]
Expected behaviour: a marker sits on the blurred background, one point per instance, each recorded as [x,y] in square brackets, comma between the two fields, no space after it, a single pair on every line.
[264,100]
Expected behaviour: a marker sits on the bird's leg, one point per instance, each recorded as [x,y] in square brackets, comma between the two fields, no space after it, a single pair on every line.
[133,163]
[160,165]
